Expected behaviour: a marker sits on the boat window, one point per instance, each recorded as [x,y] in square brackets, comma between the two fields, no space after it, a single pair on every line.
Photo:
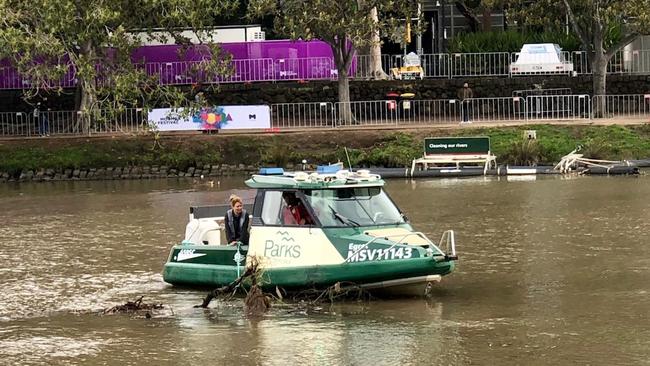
[353,207]
[284,208]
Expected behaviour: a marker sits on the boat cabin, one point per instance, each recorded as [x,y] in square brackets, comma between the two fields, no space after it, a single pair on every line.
[301,200]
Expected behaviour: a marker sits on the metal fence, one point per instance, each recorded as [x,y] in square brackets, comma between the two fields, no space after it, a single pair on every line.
[479,64]
[494,109]
[558,107]
[623,62]
[14,124]
[302,115]
[456,65]
[551,91]
[625,107]
[327,115]
[72,123]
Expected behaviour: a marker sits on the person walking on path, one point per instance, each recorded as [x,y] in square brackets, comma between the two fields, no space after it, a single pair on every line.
[465,93]
[41,121]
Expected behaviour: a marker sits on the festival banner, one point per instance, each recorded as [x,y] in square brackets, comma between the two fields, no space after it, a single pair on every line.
[212,118]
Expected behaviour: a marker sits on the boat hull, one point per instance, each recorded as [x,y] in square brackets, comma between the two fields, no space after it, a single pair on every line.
[371,272]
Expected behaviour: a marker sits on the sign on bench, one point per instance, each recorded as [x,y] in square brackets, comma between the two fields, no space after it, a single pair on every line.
[456,151]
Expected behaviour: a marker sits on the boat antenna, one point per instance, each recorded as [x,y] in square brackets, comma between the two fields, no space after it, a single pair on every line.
[348,156]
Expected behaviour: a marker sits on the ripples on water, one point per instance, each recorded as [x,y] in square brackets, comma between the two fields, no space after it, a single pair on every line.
[551,271]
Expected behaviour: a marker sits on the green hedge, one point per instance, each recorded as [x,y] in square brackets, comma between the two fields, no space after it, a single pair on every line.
[509,41]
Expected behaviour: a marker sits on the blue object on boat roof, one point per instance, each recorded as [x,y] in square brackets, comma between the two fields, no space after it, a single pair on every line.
[271,171]
[328,169]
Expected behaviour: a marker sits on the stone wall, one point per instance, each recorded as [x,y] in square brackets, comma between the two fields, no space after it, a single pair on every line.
[423,89]
[326,91]
[117,173]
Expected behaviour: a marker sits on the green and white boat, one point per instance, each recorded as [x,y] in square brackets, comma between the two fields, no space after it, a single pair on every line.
[352,233]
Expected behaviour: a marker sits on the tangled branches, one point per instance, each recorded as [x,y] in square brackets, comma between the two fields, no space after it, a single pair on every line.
[134,307]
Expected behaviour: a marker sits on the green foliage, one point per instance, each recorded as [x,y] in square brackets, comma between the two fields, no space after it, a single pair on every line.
[242,150]
[389,149]
[395,150]
[596,149]
[277,153]
[509,41]
[524,152]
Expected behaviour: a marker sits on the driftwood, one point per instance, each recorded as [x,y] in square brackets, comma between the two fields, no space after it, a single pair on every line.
[256,301]
[134,306]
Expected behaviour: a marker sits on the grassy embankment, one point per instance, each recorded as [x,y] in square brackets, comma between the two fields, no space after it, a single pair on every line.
[388,148]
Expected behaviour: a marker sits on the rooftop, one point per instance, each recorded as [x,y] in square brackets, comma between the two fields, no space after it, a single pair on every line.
[322,179]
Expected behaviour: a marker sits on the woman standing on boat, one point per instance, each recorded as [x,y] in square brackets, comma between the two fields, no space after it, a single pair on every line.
[236,222]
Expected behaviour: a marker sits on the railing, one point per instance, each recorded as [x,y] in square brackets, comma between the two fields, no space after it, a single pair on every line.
[456,65]
[399,112]
[15,124]
[558,107]
[623,62]
[308,68]
[367,113]
[551,91]
[56,123]
[327,115]
[479,64]
[483,110]
[302,115]
[625,107]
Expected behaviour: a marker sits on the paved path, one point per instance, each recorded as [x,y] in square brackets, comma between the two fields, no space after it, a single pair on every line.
[635,120]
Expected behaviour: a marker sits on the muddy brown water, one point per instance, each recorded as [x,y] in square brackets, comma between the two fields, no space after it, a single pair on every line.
[552,271]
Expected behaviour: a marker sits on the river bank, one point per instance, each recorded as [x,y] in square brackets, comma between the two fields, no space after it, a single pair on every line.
[196,155]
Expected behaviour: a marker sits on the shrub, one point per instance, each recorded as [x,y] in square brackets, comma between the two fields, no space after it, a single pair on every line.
[525,152]
[509,41]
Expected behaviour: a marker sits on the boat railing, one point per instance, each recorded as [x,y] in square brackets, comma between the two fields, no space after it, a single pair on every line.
[448,244]
[448,236]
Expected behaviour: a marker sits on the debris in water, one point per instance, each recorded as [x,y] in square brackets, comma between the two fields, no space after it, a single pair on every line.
[254,273]
[134,306]
[256,303]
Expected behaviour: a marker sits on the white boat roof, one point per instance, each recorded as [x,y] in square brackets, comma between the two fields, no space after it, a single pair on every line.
[314,180]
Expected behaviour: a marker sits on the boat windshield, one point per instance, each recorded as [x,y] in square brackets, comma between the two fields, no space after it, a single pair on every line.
[345,207]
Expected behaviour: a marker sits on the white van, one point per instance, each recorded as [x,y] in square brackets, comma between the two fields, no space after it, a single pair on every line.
[541,58]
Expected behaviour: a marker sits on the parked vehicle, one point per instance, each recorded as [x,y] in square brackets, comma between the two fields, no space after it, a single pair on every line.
[541,58]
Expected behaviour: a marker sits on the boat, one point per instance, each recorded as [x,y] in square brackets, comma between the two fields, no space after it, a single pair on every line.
[351,234]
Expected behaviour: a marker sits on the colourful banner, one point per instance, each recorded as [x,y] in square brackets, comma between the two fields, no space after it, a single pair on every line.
[212,118]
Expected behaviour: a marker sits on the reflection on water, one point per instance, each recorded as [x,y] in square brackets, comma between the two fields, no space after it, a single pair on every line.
[551,271]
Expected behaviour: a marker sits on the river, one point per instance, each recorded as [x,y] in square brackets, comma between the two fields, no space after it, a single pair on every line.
[551,271]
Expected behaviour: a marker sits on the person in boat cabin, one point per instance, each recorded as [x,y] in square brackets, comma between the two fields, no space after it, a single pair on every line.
[294,212]
[236,222]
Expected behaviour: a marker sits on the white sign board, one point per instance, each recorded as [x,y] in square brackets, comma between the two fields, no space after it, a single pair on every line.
[229,117]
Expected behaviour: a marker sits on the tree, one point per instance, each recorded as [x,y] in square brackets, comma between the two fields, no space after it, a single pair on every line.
[48,39]
[346,25]
[376,69]
[604,28]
